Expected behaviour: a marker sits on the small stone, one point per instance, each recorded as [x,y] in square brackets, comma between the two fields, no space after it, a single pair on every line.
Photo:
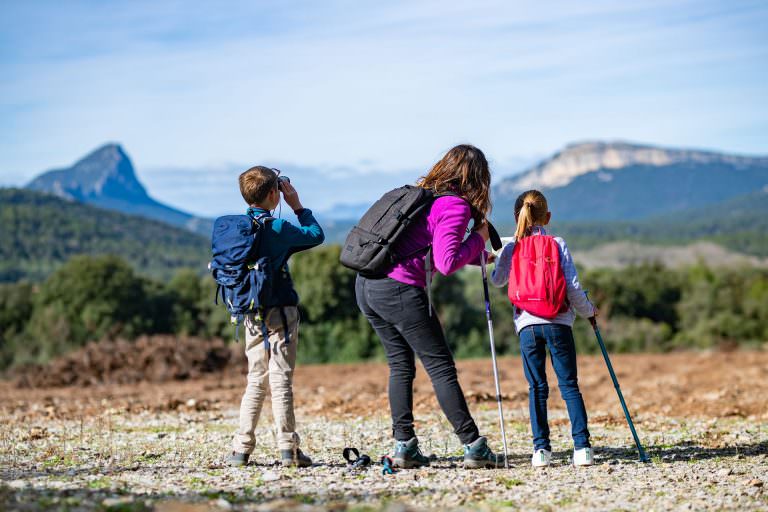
[724,472]
[114,502]
[269,476]
[17,484]
[191,402]
[754,482]
[161,435]
[223,504]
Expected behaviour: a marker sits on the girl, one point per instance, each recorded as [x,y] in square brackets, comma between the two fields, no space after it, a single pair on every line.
[532,214]
[397,307]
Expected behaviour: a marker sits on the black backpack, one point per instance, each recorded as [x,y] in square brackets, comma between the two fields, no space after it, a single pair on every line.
[368,248]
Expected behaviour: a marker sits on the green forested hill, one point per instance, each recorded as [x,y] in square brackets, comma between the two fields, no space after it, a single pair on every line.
[39,232]
[740,224]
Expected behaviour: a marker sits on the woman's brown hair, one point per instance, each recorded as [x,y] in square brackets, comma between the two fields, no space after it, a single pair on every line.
[463,171]
[530,209]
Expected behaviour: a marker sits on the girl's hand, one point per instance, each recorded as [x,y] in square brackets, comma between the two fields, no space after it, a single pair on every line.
[593,318]
[490,258]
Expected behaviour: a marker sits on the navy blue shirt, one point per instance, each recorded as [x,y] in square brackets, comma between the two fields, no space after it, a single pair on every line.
[279,241]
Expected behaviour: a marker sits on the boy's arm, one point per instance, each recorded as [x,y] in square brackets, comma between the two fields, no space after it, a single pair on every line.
[576,298]
[500,274]
[307,234]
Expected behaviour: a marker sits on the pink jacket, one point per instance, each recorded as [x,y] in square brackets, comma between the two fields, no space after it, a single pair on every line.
[444,227]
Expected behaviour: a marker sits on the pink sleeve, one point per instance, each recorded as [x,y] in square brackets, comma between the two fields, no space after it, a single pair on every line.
[450,217]
[476,259]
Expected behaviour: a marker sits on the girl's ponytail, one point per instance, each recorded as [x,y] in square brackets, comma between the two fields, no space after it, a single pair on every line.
[530,209]
[524,221]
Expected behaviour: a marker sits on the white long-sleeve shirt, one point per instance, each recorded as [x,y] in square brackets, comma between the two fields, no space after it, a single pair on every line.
[577,301]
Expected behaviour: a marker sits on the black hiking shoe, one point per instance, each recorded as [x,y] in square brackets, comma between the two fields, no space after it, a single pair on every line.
[237,459]
[407,455]
[477,456]
[294,458]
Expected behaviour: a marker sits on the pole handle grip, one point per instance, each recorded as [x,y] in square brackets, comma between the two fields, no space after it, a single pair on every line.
[493,236]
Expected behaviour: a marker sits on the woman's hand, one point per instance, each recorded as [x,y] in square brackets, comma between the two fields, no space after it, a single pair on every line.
[483,230]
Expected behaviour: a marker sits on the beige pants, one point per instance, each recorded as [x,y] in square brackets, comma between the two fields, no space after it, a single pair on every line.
[275,366]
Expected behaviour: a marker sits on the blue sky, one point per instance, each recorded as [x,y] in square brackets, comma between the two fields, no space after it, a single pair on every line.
[195,92]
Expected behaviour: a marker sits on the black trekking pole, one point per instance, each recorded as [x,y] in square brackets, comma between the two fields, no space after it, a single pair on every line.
[593,321]
[496,244]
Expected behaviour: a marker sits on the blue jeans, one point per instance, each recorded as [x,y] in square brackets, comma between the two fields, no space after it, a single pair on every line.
[559,338]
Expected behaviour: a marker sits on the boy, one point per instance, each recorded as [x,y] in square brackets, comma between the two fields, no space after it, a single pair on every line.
[261,188]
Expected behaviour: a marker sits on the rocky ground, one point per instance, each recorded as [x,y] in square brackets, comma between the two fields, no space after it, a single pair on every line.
[161,446]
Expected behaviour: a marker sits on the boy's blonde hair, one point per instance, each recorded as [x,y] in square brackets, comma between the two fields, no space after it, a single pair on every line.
[530,209]
[256,183]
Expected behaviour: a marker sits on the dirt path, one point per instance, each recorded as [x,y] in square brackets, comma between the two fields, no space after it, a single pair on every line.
[150,446]
[713,385]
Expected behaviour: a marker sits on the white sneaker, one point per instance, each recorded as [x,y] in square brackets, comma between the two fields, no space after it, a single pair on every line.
[541,458]
[583,457]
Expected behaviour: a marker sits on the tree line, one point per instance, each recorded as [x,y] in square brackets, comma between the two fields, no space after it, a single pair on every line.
[646,308]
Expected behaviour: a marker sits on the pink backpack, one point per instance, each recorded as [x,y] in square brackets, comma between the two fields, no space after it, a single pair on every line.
[536,280]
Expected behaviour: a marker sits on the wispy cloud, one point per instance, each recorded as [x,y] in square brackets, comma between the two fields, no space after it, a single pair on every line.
[329,85]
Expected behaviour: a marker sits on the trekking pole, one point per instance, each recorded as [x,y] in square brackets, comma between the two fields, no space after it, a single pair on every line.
[496,244]
[593,321]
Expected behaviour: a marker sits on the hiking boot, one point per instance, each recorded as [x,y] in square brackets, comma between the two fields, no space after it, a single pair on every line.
[477,455]
[583,457]
[298,459]
[236,459]
[541,458]
[408,455]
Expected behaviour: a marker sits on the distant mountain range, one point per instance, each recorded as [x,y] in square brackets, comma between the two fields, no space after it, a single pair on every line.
[106,178]
[590,181]
[621,181]
[599,192]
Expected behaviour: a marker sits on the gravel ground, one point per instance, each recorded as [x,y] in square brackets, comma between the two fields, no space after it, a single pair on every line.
[174,461]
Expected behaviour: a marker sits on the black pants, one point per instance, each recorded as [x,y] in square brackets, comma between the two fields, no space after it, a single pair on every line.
[399,313]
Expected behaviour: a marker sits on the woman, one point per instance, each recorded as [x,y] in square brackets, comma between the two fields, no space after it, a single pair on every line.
[399,311]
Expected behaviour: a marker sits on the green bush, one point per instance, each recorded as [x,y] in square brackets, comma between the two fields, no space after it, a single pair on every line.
[332,327]
[15,309]
[646,308]
[89,299]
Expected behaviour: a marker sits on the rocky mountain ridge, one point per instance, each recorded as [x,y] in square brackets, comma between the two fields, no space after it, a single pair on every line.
[581,158]
[615,181]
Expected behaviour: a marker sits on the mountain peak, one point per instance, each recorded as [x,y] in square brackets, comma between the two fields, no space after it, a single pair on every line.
[106,172]
[110,150]
[580,158]
[105,178]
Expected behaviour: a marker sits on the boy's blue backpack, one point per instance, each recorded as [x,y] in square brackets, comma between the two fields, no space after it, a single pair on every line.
[242,275]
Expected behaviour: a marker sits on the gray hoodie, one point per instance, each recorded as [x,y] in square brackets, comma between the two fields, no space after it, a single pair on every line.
[577,301]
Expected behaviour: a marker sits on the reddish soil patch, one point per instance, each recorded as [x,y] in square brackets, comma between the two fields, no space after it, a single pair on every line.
[149,358]
[677,385]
